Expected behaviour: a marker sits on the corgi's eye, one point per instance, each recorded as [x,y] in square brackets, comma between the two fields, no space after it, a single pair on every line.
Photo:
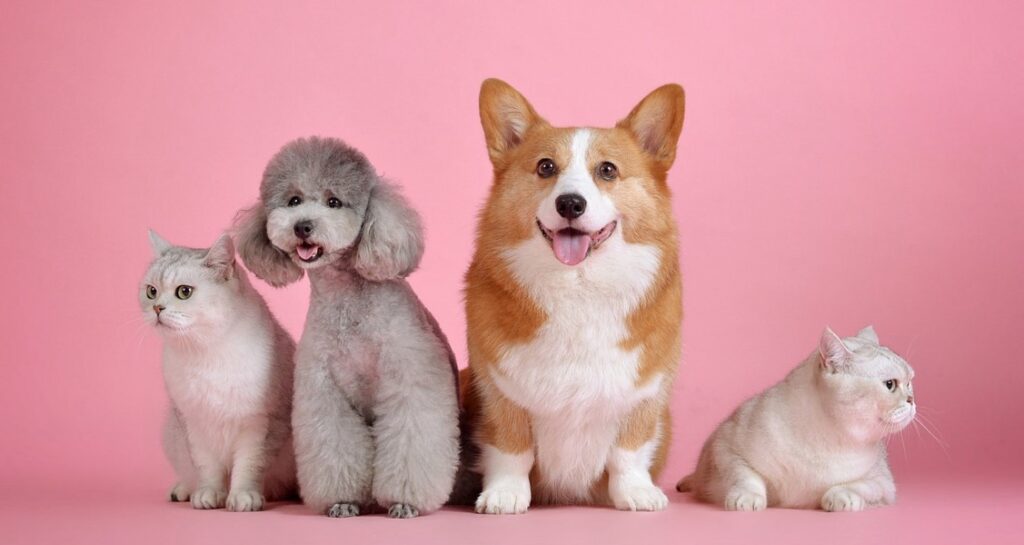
[333,202]
[183,292]
[607,171]
[546,168]
[295,201]
[891,384]
[150,291]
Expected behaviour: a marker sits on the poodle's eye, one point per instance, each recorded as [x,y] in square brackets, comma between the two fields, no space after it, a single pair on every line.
[150,291]
[891,384]
[183,292]
[334,202]
[608,171]
[546,168]
[295,201]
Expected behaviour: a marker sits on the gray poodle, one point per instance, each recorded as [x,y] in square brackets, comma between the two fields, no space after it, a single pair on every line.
[376,406]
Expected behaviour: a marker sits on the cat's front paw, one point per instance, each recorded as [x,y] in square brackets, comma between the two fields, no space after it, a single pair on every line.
[638,497]
[208,498]
[504,500]
[842,499]
[245,500]
[179,492]
[403,511]
[739,499]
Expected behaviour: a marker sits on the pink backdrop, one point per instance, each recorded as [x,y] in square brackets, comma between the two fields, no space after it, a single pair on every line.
[841,164]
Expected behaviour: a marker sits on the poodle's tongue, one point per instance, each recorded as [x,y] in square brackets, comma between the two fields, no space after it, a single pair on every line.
[306,252]
[570,246]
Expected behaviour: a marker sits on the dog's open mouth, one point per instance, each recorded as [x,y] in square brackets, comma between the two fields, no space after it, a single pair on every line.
[572,246]
[309,253]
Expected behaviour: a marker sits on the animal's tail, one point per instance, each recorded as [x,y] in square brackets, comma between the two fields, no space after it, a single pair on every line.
[468,483]
[685,484]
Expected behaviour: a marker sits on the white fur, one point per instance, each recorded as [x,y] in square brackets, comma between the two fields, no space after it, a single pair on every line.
[629,478]
[506,481]
[578,178]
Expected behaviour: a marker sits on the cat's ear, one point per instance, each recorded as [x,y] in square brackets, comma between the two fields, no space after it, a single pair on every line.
[834,354]
[868,334]
[258,253]
[160,246]
[392,239]
[221,256]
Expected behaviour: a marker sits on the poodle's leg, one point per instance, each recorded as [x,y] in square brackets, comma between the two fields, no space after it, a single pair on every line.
[177,451]
[416,427]
[333,447]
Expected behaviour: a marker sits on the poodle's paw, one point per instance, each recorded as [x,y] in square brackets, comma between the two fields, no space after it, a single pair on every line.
[179,492]
[245,500]
[638,497]
[739,499]
[343,510]
[504,500]
[402,511]
[841,498]
[208,498]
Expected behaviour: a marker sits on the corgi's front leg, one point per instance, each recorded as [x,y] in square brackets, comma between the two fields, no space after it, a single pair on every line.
[506,456]
[630,485]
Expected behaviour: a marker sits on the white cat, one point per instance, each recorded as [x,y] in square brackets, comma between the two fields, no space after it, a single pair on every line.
[228,368]
[816,438]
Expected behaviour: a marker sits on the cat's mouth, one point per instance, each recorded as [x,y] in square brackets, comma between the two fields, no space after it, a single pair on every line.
[308,253]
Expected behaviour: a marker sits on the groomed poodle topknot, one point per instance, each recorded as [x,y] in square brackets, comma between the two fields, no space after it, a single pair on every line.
[376,411]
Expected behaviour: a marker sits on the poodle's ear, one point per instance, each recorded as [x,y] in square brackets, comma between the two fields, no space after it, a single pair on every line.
[392,238]
[258,253]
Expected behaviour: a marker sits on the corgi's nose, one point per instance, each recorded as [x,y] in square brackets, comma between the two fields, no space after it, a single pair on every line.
[158,309]
[304,229]
[571,205]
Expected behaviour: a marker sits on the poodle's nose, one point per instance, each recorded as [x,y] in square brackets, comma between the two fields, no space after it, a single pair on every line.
[158,309]
[571,205]
[303,229]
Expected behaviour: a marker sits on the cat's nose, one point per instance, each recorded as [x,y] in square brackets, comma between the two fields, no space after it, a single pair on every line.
[910,399]
[158,309]
[303,229]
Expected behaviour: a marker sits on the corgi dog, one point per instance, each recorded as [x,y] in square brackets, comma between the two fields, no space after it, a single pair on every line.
[573,307]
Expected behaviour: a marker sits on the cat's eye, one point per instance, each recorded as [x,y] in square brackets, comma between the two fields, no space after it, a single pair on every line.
[334,202]
[150,291]
[183,292]
[607,171]
[891,384]
[295,201]
[546,168]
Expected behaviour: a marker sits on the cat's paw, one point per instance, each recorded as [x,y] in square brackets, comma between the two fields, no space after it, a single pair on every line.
[842,499]
[208,498]
[402,511]
[343,510]
[245,500]
[179,492]
[504,500]
[739,499]
[639,497]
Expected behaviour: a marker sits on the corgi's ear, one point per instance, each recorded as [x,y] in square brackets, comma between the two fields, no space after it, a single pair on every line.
[391,243]
[258,253]
[505,115]
[158,243]
[868,334]
[657,121]
[834,354]
[221,256]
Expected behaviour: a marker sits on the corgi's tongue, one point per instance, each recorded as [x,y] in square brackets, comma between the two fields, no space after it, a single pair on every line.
[306,252]
[570,246]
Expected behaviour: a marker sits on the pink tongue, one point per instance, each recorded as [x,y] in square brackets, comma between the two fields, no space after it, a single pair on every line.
[306,252]
[571,247]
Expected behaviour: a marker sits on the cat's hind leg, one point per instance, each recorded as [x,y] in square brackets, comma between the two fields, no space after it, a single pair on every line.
[175,442]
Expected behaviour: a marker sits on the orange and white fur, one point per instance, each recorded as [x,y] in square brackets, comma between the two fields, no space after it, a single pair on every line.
[574,305]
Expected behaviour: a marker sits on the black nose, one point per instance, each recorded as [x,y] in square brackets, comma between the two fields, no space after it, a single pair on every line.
[303,229]
[571,205]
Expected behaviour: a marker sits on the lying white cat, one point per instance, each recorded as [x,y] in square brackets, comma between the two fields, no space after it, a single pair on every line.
[814,439]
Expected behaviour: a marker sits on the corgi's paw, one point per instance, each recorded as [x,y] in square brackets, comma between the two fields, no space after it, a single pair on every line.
[840,498]
[504,500]
[740,499]
[180,492]
[208,498]
[343,510]
[245,500]
[639,497]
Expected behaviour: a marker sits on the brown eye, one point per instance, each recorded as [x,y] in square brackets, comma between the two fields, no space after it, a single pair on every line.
[150,291]
[183,292]
[607,171]
[546,168]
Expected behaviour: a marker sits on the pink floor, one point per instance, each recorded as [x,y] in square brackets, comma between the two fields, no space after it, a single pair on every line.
[962,511]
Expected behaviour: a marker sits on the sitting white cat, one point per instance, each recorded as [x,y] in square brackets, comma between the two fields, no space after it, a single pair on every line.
[228,367]
[814,439]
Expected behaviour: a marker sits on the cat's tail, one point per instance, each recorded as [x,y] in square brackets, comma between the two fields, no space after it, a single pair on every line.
[685,484]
